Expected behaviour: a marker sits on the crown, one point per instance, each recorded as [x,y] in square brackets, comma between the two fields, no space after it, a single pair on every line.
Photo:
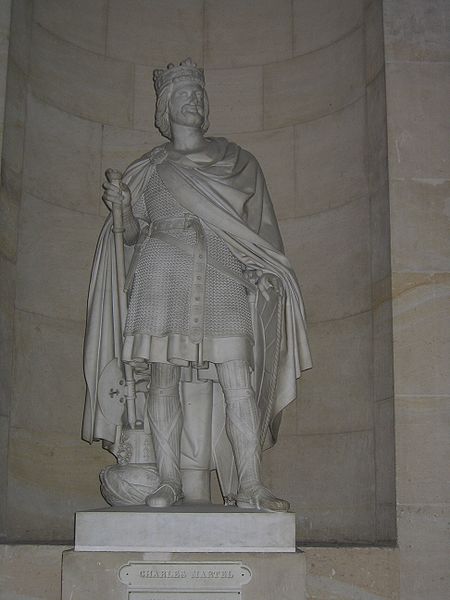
[187,69]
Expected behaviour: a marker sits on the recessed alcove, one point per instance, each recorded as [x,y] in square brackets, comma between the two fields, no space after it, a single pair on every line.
[301,85]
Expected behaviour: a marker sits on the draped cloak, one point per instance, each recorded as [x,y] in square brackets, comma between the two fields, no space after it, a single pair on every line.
[229,194]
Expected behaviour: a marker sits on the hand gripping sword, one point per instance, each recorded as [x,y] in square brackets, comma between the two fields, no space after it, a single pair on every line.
[115,177]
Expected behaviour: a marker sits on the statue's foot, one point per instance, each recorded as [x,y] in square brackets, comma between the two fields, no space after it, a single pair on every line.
[167,494]
[259,497]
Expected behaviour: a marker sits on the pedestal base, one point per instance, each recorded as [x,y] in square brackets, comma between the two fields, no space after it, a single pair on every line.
[206,528]
[181,576]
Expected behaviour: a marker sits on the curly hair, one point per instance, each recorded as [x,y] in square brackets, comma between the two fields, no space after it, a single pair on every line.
[162,121]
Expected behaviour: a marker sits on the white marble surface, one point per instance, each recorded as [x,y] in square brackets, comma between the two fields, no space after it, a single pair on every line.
[201,528]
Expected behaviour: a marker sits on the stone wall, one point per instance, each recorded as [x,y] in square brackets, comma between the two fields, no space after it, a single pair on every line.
[12,118]
[417,39]
[5,21]
[301,85]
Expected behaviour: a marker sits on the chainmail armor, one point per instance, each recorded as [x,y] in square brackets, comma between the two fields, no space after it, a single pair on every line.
[160,296]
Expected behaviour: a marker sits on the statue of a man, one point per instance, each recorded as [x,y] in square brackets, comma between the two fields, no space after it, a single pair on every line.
[211,295]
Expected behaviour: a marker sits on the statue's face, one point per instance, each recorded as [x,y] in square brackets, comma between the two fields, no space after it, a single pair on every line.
[186,104]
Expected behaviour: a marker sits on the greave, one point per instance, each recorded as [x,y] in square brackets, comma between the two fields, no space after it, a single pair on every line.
[164,414]
[242,421]
[242,429]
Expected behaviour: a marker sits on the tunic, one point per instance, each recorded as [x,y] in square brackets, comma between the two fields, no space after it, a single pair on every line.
[183,308]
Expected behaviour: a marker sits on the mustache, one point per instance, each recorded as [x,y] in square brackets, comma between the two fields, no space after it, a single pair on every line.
[197,107]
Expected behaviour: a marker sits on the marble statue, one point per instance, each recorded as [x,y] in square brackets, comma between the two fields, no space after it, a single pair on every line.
[195,331]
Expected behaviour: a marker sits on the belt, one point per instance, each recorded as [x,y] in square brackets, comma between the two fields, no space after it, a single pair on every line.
[160,229]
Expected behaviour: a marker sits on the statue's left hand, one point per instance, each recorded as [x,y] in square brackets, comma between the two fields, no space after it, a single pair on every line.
[264,281]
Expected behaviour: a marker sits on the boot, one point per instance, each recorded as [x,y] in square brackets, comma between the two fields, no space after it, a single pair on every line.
[242,426]
[165,418]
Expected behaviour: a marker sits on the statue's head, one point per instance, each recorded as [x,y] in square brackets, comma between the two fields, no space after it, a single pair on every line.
[180,97]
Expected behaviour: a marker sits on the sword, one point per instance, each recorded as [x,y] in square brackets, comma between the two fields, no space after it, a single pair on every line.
[115,177]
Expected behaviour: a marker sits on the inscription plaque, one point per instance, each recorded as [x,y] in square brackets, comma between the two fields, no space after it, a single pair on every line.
[184,580]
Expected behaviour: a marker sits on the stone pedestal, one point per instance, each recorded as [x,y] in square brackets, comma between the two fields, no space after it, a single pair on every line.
[183,576]
[197,552]
[195,528]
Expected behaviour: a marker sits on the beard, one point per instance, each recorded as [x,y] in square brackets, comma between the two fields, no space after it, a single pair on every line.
[190,115]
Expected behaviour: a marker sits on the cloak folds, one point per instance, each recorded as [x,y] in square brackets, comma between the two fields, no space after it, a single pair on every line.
[226,191]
